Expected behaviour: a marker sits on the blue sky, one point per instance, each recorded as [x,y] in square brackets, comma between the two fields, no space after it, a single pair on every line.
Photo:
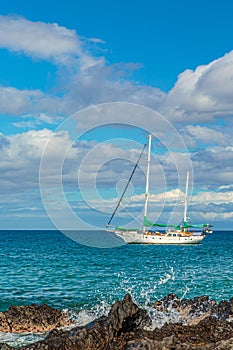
[60,58]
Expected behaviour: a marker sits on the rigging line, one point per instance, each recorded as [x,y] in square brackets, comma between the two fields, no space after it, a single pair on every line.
[118,204]
[133,217]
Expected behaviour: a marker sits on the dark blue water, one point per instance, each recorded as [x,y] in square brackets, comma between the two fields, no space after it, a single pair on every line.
[47,267]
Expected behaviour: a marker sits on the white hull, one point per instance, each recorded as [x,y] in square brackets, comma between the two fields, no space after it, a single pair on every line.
[138,237]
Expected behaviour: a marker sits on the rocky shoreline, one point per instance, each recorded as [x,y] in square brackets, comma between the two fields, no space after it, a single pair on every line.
[202,324]
[32,318]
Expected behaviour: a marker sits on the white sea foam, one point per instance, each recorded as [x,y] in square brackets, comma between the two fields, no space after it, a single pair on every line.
[79,318]
[85,316]
[159,318]
[21,339]
[144,292]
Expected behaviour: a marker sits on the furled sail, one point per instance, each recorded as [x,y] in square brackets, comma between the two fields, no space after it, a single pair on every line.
[148,223]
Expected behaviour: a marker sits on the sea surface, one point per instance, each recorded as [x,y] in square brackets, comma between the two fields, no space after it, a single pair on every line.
[48,267]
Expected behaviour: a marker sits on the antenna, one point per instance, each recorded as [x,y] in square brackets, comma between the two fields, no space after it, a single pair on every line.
[186,198]
[147,180]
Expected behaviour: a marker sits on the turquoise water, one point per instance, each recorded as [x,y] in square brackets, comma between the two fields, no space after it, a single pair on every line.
[47,267]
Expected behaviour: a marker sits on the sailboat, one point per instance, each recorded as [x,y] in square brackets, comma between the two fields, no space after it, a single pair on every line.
[181,234]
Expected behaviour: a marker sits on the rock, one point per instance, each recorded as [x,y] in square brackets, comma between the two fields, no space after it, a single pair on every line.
[5,347]
[224,345]
[125,316]
[32,318]
[126,328]
[224,309]
[192,311]
[112,332]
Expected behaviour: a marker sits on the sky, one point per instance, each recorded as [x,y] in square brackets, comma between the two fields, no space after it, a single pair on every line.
[82,83]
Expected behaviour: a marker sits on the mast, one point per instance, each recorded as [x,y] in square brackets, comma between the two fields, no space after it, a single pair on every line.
[120,200]
[186,198]
[147,181]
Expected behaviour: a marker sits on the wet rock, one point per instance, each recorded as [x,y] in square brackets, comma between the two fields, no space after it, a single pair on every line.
[5,347]
[224,345]
[112,332]
[224,309]
[32,318]
[192,311]
[126,328]
[125,316]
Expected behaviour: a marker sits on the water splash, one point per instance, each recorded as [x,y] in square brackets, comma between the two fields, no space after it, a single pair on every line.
[86,315]
[23,339]
[167,277]
[159,318]
[144,291]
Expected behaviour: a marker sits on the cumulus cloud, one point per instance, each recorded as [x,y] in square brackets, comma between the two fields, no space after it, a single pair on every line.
[198,96]
[203,93]
[213,166]
[103,84]
[85,165]
[15,102]
[197,135]
[23,152]
[4,142]
[90,85]
[34,121]
[30,103]
[38,39]
[169,206]
[215,198]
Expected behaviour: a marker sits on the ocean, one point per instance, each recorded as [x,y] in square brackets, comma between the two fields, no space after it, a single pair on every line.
[48,267]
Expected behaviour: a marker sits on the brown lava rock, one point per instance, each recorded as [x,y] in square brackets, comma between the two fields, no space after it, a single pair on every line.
[192,311]
[32,318]
[126,328]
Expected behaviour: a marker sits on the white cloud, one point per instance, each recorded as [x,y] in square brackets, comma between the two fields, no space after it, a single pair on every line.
[32,122]
[20,159]
[38,39]
[169,206]
[225,187]
[198,96]
[23,152]
[196,135]
[213,166]
[93,84]
[96,40]
[213,197]
[222,216]
[84,79]
[24,209]
[175,196]
[14,101]
[101,83]
[204,93]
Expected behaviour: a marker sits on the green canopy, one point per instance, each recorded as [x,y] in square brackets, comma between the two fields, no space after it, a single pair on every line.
[185,224]
[126,229]
[148,223]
